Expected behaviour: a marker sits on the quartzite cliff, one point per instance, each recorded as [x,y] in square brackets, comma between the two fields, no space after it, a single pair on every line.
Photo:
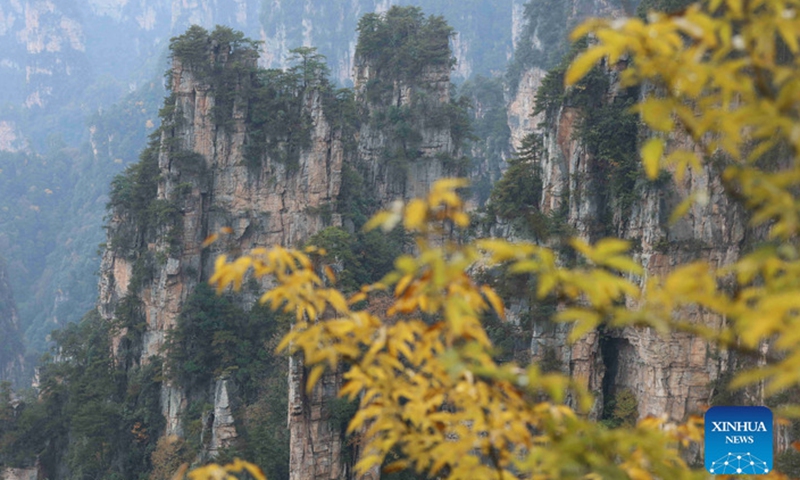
[209,175]
[586,159]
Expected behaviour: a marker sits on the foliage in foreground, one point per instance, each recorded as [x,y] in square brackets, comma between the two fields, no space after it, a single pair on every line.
[727,76]
[423,370]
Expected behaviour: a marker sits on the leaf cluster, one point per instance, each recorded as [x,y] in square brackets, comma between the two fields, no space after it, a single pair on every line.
[725,75]
[422,369]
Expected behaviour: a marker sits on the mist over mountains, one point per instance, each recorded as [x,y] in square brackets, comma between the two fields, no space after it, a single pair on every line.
[80,87]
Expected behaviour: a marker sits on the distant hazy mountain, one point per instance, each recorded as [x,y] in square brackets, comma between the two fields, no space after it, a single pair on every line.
[80,82]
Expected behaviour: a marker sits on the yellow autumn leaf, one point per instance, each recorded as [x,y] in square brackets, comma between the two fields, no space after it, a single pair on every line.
[494,300]
[415,213]
[547,282]
[581,65]
[656,113]
[386,220]
[314,376]
[582,247]
[623,264]
[357,297]
[682,159]
[584,321]
[651,157]
[610,246]
[209,240]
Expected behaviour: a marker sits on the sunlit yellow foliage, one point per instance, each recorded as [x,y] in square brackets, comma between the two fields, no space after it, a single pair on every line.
[724,72]
[423,371]
[232,471]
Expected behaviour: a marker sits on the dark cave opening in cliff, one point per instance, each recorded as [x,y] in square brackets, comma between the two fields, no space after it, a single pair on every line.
[618,401]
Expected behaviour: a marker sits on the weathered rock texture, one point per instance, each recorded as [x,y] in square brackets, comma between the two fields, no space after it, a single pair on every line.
[19,474]
[213,185]
[387,180]
[223,428]
[264,206]
[522,100]
[316,444]
[670,375]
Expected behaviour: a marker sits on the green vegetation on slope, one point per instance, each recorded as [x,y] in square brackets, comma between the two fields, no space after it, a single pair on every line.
[92,418]
[408,57]
[215,338]
[402,43]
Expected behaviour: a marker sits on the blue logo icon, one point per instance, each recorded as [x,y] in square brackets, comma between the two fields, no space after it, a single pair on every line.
[738,440]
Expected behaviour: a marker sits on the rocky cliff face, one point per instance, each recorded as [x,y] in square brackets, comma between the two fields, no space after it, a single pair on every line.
[207,174]
[543,27]
[64,61]
[263,206]
[584,185]
[388,178]
[671,375]
[316,446]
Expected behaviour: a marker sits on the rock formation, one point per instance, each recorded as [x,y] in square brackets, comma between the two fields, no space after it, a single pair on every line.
[412,179]
[215,164]
[206,170]
[19,474]
[388,175]
[668,375]
[215,187]
[68,62]
[673,375]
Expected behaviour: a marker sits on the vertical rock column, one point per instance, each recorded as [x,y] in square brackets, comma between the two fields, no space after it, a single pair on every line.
[315,449]
[203,176]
